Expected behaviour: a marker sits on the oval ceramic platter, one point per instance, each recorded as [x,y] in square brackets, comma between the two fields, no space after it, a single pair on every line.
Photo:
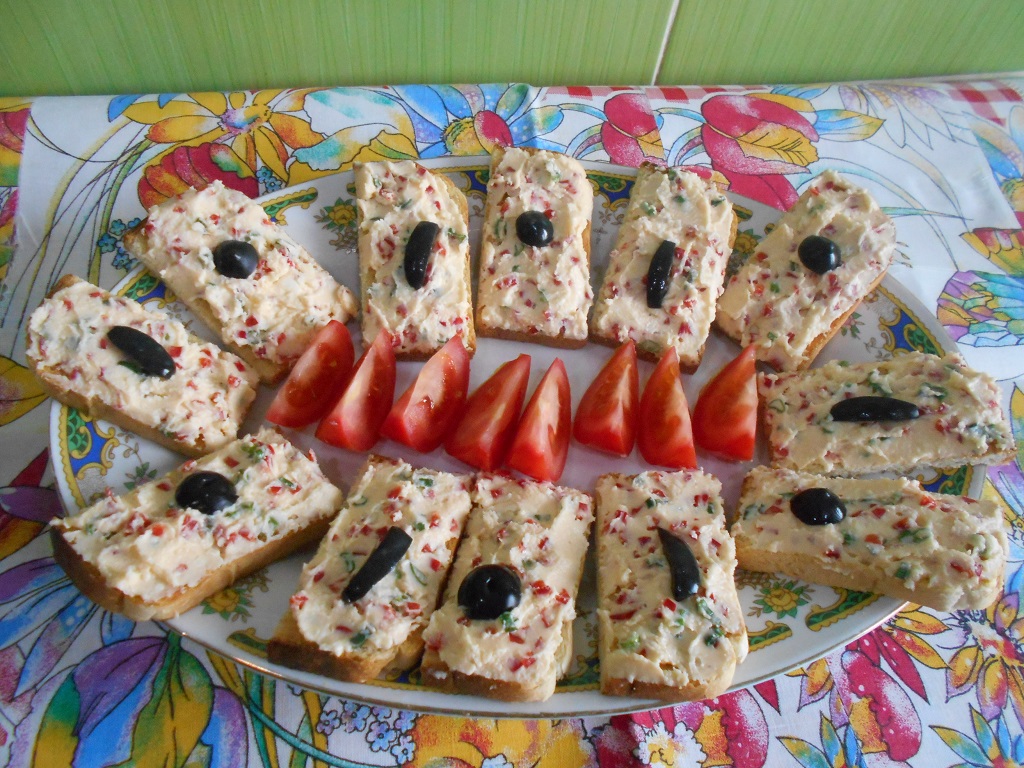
[790,623]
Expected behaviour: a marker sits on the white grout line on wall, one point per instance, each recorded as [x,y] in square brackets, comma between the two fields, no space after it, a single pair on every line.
[664,41]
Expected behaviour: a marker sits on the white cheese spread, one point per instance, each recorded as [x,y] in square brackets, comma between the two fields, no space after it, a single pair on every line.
[540,531]
[200,405]
[645,633]
[147,546]
[393,198]
[681,207]
[431,507]
[528,289]
[961,419]
[895,535]
[277,310]
[781,306]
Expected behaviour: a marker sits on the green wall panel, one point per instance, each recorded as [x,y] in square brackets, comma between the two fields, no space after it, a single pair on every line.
[761,41]
[126,46]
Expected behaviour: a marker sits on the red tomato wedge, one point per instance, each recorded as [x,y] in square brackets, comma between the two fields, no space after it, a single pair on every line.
[489,419]
[424,415]
[725,417]
[664,435]
[541,444]
[354,421]
[317,379]
[606,416]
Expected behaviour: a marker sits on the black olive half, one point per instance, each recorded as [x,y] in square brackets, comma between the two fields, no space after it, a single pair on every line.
[206,492]
[659,272]
[488,591]
[874,408]
[147,355]
[817,506]
[534,228]
[681,564]
[819,254]
[378,565]
[417,252]
[235,258]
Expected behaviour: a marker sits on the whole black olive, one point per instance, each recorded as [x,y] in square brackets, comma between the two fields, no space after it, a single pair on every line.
[235,258]
[534,228]
[206,492]
[682,565]
[874,408]
[819,254]
[146,354]
[417,252]
[659,272]
[817,506]
[488,591]
[378,565]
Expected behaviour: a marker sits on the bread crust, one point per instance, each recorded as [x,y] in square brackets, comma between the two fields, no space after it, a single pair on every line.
[468,330]
[619,686]
[487,331]
[290,648]
[96,409]
[437,674]
[90,581]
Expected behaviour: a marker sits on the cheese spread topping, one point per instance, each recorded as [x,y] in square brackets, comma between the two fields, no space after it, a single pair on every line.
[431,507]
[278,309]
[146,546]
[960,416]
[645,634]
[201,404]
[777,303]
[894,533]
[678,206]
[540,531]
[393,198]
[529,289]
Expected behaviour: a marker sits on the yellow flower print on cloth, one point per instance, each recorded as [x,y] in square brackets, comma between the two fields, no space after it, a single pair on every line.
[448,742]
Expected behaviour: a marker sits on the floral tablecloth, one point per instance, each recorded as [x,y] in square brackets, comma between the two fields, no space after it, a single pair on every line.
[80,686]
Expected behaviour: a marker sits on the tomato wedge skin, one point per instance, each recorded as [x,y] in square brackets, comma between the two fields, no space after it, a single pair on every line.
[429,408]
[317,379]
[541,444]
[354,421]
[664,432]
[489,419]
[606,416]
[725,416]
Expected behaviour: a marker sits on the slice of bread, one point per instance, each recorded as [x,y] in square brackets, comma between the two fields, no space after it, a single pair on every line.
[380,632]
[147,556]
[654,643]
[675,205]
[536,293]
[393,198]
[538,531]
[785,309]
[896,539]
[198,409]
[961,420]
[267,318]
